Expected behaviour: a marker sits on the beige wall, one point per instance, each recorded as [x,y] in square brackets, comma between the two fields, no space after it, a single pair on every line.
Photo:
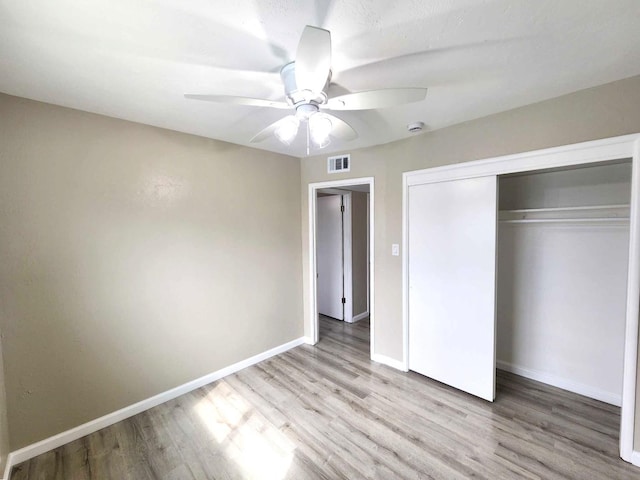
[359,257]
[600,112]
[134,259]
[4,427]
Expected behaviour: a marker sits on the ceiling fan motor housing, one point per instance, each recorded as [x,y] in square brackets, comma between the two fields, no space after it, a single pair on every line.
[297,97]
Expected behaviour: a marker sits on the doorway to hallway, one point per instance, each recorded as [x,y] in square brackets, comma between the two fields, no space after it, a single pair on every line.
[341,242]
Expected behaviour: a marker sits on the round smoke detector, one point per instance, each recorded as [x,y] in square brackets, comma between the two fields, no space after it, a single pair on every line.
[415,127]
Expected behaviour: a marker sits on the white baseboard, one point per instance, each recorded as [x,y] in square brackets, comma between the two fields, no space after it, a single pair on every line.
[7,468]
[635,458]
[360,316]
[80,431]
[555,381]
[308,340]
[390,362]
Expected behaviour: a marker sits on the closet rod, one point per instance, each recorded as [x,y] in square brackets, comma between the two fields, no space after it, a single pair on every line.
[621,220]
[616,206]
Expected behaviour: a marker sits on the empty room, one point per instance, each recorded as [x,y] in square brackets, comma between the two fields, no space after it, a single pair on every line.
[319,239]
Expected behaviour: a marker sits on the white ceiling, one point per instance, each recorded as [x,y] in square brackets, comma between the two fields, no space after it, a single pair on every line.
[134,59]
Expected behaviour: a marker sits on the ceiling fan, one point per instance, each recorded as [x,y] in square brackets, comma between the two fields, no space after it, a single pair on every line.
[305,86]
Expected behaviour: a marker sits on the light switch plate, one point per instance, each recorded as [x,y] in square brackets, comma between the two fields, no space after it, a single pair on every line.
[395,249]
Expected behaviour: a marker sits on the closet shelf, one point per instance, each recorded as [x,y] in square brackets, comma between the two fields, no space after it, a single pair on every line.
[612,214]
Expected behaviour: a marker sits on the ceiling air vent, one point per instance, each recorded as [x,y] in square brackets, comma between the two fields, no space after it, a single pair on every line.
[340,163]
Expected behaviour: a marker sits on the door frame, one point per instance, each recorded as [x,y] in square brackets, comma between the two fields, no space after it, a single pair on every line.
[616,148]
[313,303]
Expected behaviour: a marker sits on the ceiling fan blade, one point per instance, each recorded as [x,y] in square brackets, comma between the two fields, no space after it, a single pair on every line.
[270,130]
[374,99]
[341,129]
[252,102]
[313,59]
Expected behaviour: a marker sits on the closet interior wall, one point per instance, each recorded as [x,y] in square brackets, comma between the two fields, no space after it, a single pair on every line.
[563,238]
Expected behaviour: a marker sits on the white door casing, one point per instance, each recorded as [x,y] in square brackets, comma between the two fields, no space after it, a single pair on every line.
[452,273]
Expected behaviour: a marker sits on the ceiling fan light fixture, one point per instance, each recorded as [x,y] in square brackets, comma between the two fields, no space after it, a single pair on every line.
[320,129]
[287,130]
[306,82]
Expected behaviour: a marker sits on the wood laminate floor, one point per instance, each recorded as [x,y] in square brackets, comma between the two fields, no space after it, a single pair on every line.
[328,412]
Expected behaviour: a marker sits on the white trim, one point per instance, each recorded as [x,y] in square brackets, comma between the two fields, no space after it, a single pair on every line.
[405,272]
[560,382]
[347,259]
[634,458]
[615,148]
[622,147]
[8,466]
[313,267]
[313,323]
[360,316]
[390,362]
[627,414]
[368,256]
[38,448]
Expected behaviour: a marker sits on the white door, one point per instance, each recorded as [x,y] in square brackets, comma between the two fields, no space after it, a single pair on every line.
[452,277]
[329,254]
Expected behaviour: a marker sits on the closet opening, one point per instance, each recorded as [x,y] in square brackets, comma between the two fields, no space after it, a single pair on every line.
[562,261]
[544,248]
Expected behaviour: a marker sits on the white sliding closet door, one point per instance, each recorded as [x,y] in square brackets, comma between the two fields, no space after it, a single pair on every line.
[452,282]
